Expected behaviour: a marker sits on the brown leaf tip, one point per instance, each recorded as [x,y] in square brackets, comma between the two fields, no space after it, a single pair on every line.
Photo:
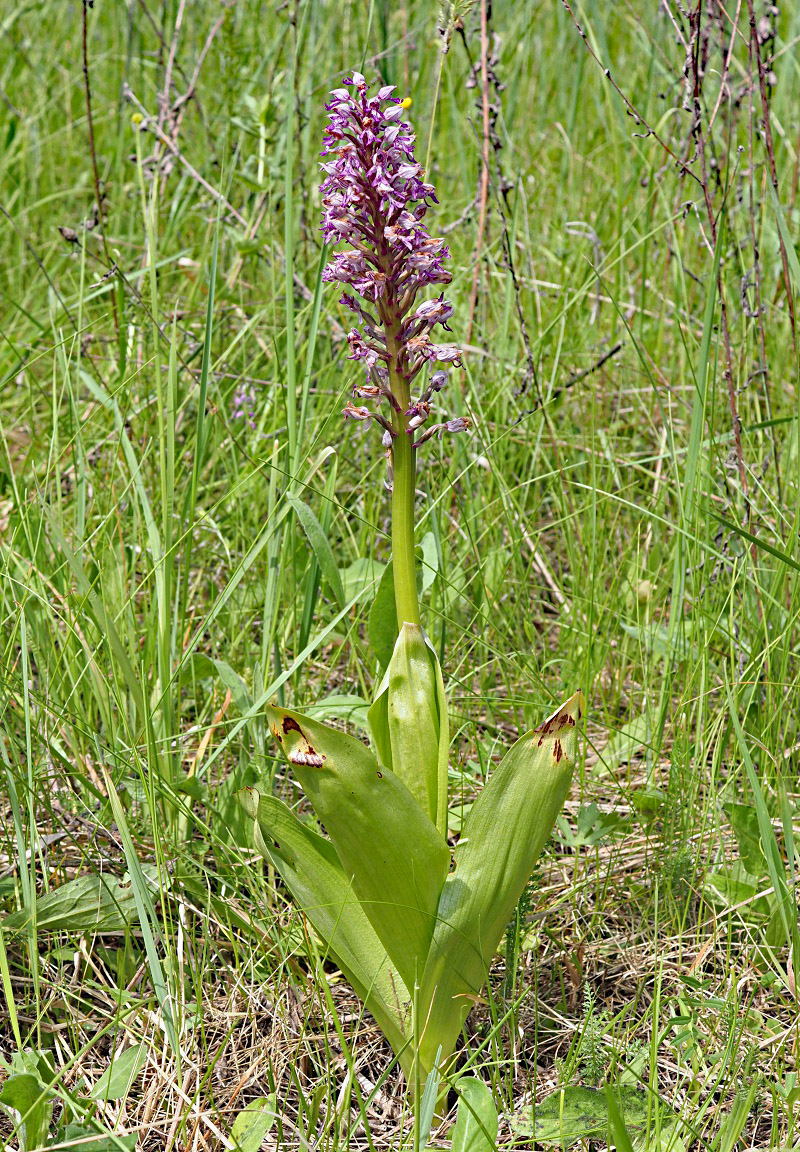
[307,756]
[565,717]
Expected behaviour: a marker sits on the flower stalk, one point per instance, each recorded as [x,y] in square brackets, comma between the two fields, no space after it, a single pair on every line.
[403,556]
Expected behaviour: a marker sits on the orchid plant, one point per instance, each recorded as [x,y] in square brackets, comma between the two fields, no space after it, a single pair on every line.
[411,924]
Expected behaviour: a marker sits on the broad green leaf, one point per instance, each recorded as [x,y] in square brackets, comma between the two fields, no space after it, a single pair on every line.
[31,1105]
[774,934]
[117,1079]
[383,619]
[504,833]
[85,1139]
[744,821]
[409,722]
[102,903]
[575,1113]
[444,743]
[733,884]
[383,839]
[625,743]
[383,614]
[316,537]
[476,1120]
[310,869]
[253,1123]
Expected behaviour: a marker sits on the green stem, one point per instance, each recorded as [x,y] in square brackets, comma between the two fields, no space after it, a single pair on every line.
[403,559]
[404,467]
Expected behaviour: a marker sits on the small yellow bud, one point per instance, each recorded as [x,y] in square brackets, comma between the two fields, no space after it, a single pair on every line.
[406,103]
[136,119]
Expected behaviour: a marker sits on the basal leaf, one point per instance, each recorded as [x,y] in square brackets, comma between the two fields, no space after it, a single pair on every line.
[744,821]
[574,1113]
[504,833]
[117,1079]
[253,1123]
[104,903]
[476,1120]
[32,1103]
[84,1139]
[383,838]
[310,869]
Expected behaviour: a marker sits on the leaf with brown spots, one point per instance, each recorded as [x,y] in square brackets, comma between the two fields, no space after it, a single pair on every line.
[382,836]
[311,870]
[506,829]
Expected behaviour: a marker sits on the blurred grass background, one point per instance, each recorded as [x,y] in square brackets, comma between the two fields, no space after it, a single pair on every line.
[173,376]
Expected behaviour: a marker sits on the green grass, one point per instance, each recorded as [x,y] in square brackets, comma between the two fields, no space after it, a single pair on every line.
[158,586]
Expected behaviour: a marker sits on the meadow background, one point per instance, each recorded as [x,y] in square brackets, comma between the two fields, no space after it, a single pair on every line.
[623,233]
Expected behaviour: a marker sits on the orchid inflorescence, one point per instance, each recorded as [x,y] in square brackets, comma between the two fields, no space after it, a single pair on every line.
[375,197]
[412,924]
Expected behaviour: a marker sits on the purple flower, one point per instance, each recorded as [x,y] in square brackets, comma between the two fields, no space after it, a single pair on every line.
[243,404]
[375,199]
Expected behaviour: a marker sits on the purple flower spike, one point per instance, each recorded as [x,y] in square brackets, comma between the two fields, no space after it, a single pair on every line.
[375,198]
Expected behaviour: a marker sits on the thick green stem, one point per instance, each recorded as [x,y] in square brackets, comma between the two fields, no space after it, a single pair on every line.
[404,467]
[403,559]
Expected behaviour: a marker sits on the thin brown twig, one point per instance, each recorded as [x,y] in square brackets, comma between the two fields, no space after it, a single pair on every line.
[173,49]
[700,143]
[148,124]
[95,172]
[501,188]
[182,102]
[41,266]
[759,309]
[484,184]
[638,119]
[725,67]
[767,122]
[571,381]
